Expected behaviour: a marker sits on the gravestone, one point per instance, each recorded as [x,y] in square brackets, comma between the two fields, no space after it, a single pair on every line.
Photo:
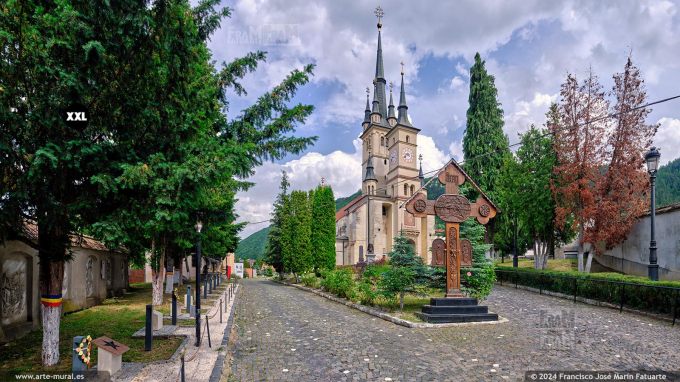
[82,350]
[109,354]
[453,209]
[156,320]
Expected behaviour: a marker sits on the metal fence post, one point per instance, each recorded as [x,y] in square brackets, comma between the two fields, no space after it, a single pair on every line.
[147,329]
[181,369]
[575,288]
[220,310]
[677,301]
[174,308]
[205,289]
[207,328]
[623,294]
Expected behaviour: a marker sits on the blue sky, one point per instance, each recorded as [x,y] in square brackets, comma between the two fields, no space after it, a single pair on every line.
[528,45]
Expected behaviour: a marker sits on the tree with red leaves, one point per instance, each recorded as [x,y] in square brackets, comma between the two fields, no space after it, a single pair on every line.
[579,139]
[622,193]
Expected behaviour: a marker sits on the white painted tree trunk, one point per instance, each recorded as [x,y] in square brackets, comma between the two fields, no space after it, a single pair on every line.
[157,286]
[51,316]
[540,254]
[589,262]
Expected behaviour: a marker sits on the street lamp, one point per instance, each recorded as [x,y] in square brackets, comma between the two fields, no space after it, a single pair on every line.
[199,227]
[652,158]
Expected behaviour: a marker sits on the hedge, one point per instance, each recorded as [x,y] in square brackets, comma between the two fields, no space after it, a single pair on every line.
[661,297]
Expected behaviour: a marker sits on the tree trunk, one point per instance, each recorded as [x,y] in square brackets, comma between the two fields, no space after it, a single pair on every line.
[51,279]
[589,261]
[158,278]
[401,301]
[580,249]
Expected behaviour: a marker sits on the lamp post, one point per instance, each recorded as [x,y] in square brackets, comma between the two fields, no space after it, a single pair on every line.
[652,158]
[199,227]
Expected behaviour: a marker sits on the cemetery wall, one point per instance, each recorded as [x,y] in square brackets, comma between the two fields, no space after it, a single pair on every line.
[632,256]
[92,275]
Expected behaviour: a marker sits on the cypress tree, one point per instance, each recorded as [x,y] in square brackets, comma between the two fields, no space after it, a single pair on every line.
[273,252]
[323,228]
[296,235]
[485,145]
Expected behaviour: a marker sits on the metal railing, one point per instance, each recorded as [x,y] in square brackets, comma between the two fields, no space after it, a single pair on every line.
[659,299]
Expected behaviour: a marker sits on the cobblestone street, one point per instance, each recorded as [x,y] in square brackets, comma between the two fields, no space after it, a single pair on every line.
[286,334]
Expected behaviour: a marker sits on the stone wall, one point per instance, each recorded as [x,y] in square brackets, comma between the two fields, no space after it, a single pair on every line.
[632,256]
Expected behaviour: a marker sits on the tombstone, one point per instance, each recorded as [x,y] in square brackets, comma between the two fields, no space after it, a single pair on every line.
[14,277]
[82,351]
[109,354]
[156,320]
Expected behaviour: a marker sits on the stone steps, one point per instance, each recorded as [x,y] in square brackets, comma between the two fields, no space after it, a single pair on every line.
[452,310]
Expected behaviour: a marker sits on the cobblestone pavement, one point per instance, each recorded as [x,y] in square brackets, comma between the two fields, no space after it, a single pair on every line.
[286,334]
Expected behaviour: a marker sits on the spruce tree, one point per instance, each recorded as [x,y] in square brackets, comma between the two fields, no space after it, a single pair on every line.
[323,228]
[485,145]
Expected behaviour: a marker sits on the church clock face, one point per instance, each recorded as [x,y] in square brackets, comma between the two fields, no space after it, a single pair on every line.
[407,155]
[393,157]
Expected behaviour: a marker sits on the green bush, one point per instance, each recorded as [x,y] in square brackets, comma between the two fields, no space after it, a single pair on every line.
[478,281]
[339,282]
[613,288]
[310,280]
[268,272]
[366,293]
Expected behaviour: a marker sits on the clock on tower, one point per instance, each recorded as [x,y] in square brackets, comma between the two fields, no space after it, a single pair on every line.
[407,155]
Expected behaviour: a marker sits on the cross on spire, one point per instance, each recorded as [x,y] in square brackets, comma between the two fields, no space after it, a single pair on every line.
[379,13]
[402,67]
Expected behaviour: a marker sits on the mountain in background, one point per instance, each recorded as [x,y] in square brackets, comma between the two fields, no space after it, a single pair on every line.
[253,246]
[668,184]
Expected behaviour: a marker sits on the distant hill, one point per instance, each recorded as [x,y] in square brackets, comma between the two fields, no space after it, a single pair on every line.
[341,202]
[253,246]
[668,184]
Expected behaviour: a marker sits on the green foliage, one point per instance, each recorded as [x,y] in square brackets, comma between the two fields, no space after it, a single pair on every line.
[341,202]
[339,282]
[479,282]
[597,286]
[296,234]
[397,281]
[274,247]
[323,228]
[668,183]
[310,280]
[255,245]
[403,254]
[485,145]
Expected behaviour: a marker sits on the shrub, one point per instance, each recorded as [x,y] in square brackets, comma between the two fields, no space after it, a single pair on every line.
[366,293]
[397,281]
[310,280]
[339,282]
[268,272]
[478,281]
[635,292]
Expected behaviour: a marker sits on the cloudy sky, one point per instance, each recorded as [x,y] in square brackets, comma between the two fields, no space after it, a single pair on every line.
[529,46]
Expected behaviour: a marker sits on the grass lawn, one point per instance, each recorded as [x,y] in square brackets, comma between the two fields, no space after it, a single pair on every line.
[117,318]
[564,265]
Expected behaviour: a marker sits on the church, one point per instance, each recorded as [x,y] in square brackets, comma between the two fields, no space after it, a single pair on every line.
[391,175]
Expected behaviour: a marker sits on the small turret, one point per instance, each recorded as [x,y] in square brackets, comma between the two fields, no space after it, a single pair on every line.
[370,181]
[391,117]
[402,119]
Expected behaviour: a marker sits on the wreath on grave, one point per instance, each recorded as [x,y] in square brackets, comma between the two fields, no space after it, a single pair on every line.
[84,349]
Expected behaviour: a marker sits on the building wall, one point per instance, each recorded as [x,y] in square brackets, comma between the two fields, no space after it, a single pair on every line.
[632,256]
[90,277]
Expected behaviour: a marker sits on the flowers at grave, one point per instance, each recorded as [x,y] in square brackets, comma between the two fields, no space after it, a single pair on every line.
[84,350]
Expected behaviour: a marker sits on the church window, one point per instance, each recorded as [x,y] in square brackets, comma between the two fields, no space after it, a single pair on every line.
[405,189]
[385,161]
[382,141]
[407,139]
[413,189]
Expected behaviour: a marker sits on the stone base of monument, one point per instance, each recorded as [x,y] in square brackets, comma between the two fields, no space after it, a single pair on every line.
[451,310]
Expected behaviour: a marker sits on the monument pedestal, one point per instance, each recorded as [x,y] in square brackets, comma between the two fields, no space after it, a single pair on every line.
[109,355]
[459,309]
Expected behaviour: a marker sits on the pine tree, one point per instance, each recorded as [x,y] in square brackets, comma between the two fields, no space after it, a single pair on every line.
[323,228]
[485,145]
[274,250]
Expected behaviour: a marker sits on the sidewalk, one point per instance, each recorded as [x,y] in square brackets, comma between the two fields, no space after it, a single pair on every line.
[199,362]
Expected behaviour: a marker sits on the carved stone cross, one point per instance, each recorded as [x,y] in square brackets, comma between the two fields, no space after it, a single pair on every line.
[454,209]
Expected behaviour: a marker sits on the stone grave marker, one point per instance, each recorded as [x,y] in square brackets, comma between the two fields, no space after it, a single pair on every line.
[109,354]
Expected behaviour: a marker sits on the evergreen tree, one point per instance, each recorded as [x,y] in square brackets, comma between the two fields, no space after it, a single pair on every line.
[274,251]
[323,228]
[668,183]
[485,146]
[402,276]
[296,235]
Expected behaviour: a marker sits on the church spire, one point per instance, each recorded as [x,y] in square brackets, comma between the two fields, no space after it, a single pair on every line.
[379,68]
[420,171]
[367,112]
[370,175]
[402,119]
[390,114]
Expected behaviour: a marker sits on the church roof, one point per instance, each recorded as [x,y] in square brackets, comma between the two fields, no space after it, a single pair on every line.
[370,175]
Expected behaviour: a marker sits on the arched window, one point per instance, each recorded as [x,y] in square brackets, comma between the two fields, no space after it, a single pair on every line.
[382,141]
[413,189]
[405,189]
[407,139]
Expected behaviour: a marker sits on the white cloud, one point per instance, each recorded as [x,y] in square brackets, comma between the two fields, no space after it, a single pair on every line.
[456,83]
[667,139]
